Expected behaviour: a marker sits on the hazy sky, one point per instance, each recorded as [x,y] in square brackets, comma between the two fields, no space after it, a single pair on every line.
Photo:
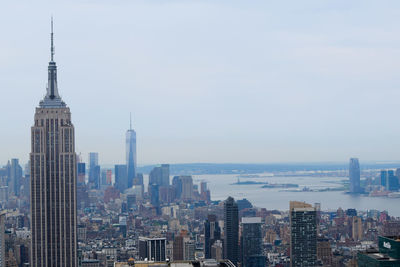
[208,81]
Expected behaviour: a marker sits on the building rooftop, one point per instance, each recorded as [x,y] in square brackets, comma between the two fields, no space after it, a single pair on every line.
[202,263]
[251,220]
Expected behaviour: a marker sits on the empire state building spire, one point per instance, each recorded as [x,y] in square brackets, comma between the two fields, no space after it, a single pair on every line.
[53,180]
[52,98]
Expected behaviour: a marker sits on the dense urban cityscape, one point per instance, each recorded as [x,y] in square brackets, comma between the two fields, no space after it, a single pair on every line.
[62,211]
[63,208]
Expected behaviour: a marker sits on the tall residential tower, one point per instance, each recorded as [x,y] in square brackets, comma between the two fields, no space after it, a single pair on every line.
[53,180]
[303,234]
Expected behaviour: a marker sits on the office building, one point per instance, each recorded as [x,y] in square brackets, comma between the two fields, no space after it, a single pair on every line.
[167,194]
[357,228]
[231,230]
[177,184]
[303,234]
[212,232]
[178,248]
[138,179]
[14,177]
[131,201]
[324,251]
[387,254]
[160,175]
[53,180]
[131,155]
[384,178]
[121,178]
[217,251]
[187,188]
[252,250]
[165,174]
[189,250]
[205,194]
[94,171]
[106,176]
[153,249]
[81,173]
[137,190]
[354,176]
[154,195]
[392,181]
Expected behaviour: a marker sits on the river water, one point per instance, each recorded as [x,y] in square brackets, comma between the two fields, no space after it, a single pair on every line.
[221,187]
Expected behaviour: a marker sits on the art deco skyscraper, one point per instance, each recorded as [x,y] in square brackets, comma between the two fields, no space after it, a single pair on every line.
[53,180]
[131,154]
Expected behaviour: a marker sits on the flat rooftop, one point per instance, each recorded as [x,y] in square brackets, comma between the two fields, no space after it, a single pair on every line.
[201,263]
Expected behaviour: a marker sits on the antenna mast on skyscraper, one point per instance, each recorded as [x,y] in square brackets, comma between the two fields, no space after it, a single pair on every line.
[130,120]
[52,42]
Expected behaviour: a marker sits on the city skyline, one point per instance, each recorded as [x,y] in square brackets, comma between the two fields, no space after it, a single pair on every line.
[266,109]
[220,92]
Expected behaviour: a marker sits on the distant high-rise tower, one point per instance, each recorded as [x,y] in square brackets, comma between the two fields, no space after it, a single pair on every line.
[81,173]
[160,175]
[94,170]
[53,180]
[121,181]
[357,229]
[303,234]
[231,232]
[15,177]
[131,154]
[187,187]
[354,176]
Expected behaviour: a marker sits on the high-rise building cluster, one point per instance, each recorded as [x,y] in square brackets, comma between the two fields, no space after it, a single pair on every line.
[62,211]
[387,183]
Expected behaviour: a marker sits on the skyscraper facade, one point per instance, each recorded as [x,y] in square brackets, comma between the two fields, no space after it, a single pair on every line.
[14,176]
[384,178]
[53,180]
[392,181]
[81,173]
[159,175]
[94,170]
[354,176]
[121,178]
[153,249]
[212,232]
[231,231]
[303,234]
[187,187]
[131,155]
[252,250]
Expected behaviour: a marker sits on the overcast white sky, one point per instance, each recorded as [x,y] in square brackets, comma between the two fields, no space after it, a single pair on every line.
[208,81]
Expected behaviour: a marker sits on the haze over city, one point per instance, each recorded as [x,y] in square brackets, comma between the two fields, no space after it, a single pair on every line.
[209,81]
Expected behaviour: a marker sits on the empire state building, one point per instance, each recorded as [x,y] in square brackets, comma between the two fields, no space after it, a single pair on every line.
[53,180]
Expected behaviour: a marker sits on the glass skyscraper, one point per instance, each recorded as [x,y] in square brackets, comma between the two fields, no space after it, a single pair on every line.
[251,242]
[131,155]
[354,176]
[231,232]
